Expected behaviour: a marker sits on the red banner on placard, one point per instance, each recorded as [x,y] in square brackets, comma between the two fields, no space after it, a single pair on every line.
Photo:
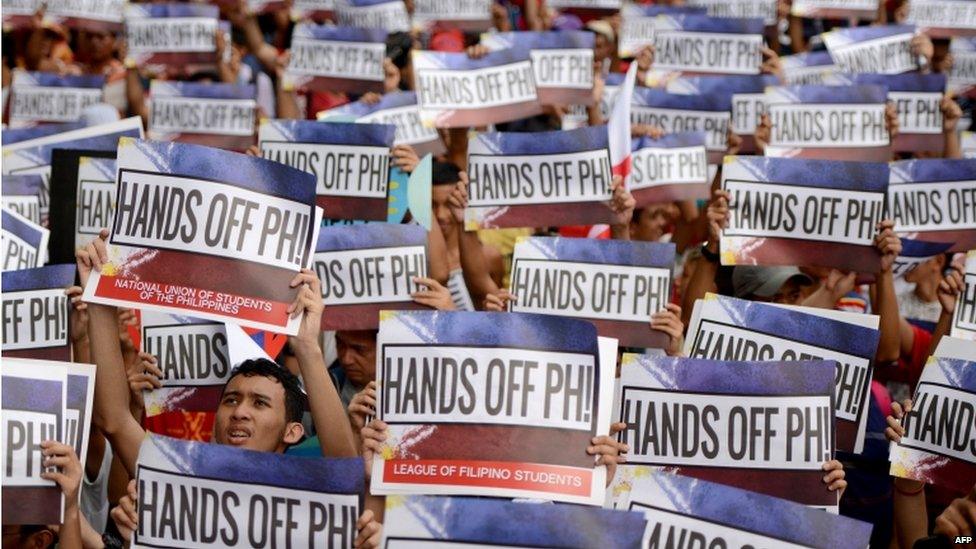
[553,479]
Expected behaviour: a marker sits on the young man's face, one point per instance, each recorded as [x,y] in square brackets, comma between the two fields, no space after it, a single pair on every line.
[652,223]
[357,355]
[252,415]
[442,209]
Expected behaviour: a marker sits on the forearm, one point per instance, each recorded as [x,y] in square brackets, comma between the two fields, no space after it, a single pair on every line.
[287,103]
[620,232]
[328,414]
[821,298]
[437,255]
[953,149]
[702,282]
[90,539]
[941,329]
[135,95]
[376,504]
[265,53]
[81,351]
[474,266]
[457,147]
[69,536]
[889,344]
[910,515]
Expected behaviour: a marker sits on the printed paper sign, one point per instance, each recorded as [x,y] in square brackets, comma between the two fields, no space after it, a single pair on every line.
[215,115]
[939,444]
[943,18]
[455,91]
[82,198]
[368,268]
[350,162]
[964,319]
[328,58]
[562,62]
[725,328]
[585,5]
[690,416]
[538,179]
[673,167]
[22,194]
[400,109]
[171,34]
[469,15]
[16,135]
[748,99]
[316,500]
[954,347]
[36,312]
[801,69]
[680,507]
[473,433]
[918,100]
[762,9]
[48,97]
[710,45]
[676,113]
[616,285]
[34,401]
[934,200]
[24,244]
[865,10]
[916,252]
[412,522]
[313,9]
[92,15]
[828,122]
[33,156]
[962,74]
[230,234]
[786,211]
[388,15]
[79,398]
[882,50]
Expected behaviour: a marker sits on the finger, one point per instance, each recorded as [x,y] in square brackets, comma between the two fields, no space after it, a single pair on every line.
[602,449]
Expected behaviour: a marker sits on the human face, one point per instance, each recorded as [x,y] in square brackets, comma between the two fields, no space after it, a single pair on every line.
[252,415]
[790,293]
[102,46]
[357,355]
[442,209]
[601,48]
[652,223]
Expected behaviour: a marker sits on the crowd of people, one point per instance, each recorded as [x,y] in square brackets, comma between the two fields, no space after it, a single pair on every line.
[332,375]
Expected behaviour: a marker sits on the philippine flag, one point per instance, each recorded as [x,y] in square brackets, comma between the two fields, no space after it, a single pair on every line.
[619,126]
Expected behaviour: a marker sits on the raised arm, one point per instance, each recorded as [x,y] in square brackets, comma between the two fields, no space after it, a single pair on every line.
[889,346]
[111,408]
[328,413]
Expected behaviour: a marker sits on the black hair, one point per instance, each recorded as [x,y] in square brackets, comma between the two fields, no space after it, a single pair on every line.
[295,399]
[398,46]
[444,173]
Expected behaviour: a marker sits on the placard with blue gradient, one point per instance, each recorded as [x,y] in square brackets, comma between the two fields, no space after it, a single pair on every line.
[388,15]
[687,416]
[726,328]
[964,317]
[398,108]
[669,168]
[24,244]
[36,312]
[943,18]
[456,426]
[701,44]
[884,49]
[794,211]
[329,58]
[861,10]
[674,113]
[215,115]
[562,62]
[934,200]
[918,100]
[748,99]
[174,35]
[813,67]
[22,194]
[38,97]
[244,497]
[466,15]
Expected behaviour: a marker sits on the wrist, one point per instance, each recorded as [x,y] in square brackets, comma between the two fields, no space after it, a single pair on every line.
[305,347]
[709,251]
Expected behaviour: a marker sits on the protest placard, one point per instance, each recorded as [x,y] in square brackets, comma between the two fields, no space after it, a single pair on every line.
[726,328]
[962,74]
[792,211]
[709,514]
[538,179]
[934,200]
[562,62]
[92,15]
[33,156]
[914,253]
[672,167]
[22,194]
[368,268]
[882,49]
[38,97]
[171,34]
[828,122]
[349,162]
[732,421]
[700,44]
[864,10]
[388,15]
[244,497]
[34,401]
[82,199]
[585,6]
[748,99]
[412,522]
[455,91]
[329,58]
[215,115]
[196,357]
[492,405]
[815,67]
[943,18]
[964,319]
[674,113]
[918,101]
[400,109]
[753,9]
[955,347]
[616,285]
[16,135]
[467,15]
[206,232]
[24,244]
[36,312]
[315,10]
[939,444]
